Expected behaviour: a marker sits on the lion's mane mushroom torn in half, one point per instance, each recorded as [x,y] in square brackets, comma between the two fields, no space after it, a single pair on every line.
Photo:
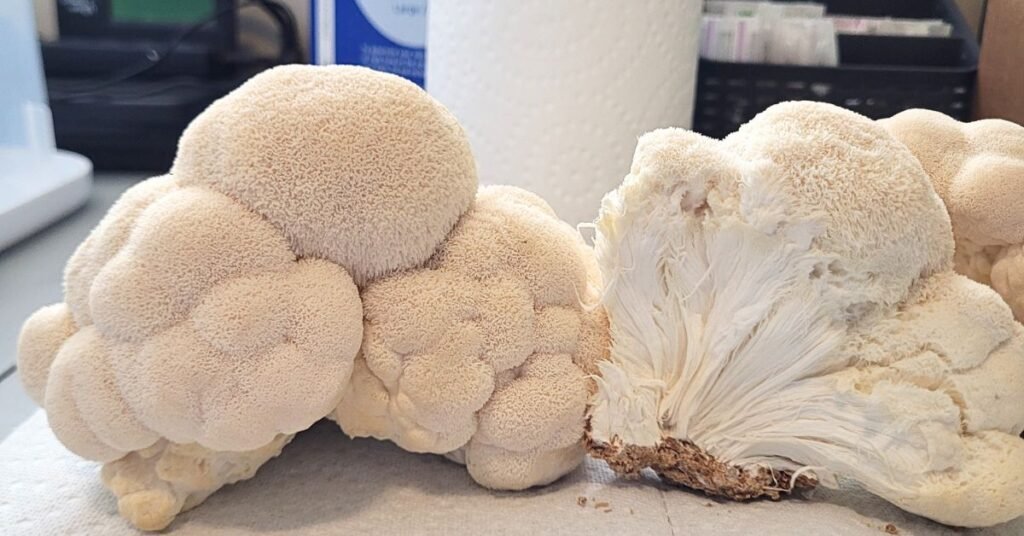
[784,312]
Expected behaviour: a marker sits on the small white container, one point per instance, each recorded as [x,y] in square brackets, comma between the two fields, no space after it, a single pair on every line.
[38,183]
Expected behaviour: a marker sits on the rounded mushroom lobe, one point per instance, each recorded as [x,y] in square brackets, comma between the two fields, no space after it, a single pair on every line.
[978,170]
[355,166]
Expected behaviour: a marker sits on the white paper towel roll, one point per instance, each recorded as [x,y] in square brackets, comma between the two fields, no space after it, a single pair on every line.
[554,93]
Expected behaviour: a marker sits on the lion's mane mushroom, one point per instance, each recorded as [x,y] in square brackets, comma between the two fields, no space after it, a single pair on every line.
[214,312]
[784,312]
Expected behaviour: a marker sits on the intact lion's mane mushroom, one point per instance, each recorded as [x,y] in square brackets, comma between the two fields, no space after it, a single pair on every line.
[319,248]
[214,312]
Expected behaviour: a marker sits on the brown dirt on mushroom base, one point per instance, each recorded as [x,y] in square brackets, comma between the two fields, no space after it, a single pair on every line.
[685,464]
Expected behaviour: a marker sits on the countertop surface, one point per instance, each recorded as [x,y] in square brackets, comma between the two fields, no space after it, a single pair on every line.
[324,483]
[31,274]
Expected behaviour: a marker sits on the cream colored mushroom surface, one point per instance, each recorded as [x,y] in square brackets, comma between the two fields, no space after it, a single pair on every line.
[784,313]
[978,170]
[483,353]
[214,312]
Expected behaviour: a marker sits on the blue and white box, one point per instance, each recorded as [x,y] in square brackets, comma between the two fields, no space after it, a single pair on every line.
[386,35]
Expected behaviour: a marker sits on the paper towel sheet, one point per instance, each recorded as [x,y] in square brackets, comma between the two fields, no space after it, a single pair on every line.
[326,484]
[554,94]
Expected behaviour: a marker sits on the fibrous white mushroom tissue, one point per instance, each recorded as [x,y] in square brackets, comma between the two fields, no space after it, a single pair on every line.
[784,313]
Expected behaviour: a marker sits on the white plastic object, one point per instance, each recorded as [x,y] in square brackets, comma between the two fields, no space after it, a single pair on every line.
[38,183]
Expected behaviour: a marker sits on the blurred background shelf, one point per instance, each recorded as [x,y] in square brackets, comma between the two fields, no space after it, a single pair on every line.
[878,75]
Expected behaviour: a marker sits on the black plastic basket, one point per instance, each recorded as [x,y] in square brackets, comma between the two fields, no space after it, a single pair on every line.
[878,76]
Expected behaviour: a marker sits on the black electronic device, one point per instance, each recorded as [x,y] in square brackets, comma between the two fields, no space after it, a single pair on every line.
[151,20]
[127,76]
[101,37]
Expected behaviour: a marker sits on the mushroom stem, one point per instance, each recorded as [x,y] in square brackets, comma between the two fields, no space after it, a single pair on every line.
[682,463]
